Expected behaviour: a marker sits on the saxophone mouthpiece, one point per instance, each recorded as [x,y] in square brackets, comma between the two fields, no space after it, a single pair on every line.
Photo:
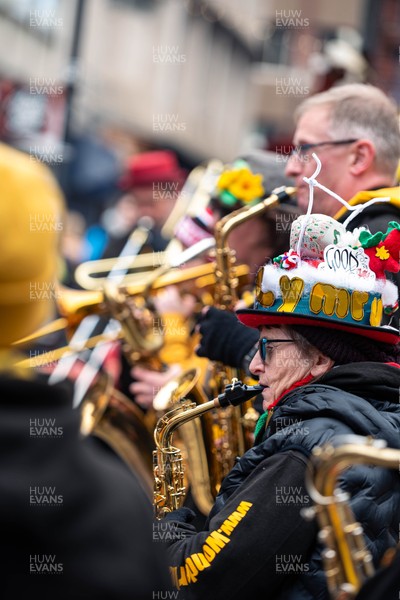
[237,392]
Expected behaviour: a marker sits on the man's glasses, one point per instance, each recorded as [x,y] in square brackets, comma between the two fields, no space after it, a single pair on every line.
[263,343]
[302,149]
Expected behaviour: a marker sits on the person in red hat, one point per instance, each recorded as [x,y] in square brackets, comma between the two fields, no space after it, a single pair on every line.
[329,368]
[151,184]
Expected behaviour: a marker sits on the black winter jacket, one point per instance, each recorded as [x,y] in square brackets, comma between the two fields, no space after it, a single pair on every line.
[256,543]
[74,521]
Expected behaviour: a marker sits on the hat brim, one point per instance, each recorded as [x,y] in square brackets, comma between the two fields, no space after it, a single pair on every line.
[256,318]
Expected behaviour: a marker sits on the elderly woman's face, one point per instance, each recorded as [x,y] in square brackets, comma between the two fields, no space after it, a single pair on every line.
[284,364]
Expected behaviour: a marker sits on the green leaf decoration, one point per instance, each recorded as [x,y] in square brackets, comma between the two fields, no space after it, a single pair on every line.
[227,198]
[392,225]
[369,240]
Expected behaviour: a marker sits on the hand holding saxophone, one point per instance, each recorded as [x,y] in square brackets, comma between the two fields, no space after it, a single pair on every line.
[147,383]
[170,301]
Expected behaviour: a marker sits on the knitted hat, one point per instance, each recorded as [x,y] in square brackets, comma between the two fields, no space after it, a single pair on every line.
[343,347]
[31,208]
[149,168]
[330,278]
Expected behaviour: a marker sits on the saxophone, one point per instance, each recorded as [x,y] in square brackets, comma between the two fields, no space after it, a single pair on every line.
[169,487]
[116,419]
[233,426]
[347,560]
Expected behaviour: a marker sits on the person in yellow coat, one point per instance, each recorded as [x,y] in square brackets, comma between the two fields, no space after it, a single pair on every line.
[31,217]
[74,522]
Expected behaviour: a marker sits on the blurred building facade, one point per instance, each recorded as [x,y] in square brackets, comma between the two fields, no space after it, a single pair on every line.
[205,77]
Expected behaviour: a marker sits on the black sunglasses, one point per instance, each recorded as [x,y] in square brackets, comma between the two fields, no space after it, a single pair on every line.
[302,149]
[262,346]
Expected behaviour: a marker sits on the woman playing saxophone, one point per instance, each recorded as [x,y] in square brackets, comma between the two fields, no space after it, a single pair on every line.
[329,368]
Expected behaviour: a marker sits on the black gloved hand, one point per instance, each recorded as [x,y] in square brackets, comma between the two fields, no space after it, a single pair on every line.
[224,338]
[180,515]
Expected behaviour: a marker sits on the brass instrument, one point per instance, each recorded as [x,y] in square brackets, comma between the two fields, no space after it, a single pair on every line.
[75,305]
[194,446]
[347,561]
[90,275]
[194,196]
[227,283]
[233,426]
[107,414]
[169,488]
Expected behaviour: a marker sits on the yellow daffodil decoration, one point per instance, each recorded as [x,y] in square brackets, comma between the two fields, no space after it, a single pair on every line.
[240,184]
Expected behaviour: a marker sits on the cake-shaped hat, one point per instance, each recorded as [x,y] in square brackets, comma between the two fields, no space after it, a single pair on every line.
[330,278]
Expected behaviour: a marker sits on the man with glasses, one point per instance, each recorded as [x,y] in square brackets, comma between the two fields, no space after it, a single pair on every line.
[354,130]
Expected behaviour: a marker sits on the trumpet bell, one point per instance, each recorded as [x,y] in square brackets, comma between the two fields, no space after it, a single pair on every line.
[75,305]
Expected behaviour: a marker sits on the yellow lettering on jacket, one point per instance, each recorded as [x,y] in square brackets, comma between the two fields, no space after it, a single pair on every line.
[216,541]
[200,561]
[213,544]
[208,552]
[226,528]
[191,571]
